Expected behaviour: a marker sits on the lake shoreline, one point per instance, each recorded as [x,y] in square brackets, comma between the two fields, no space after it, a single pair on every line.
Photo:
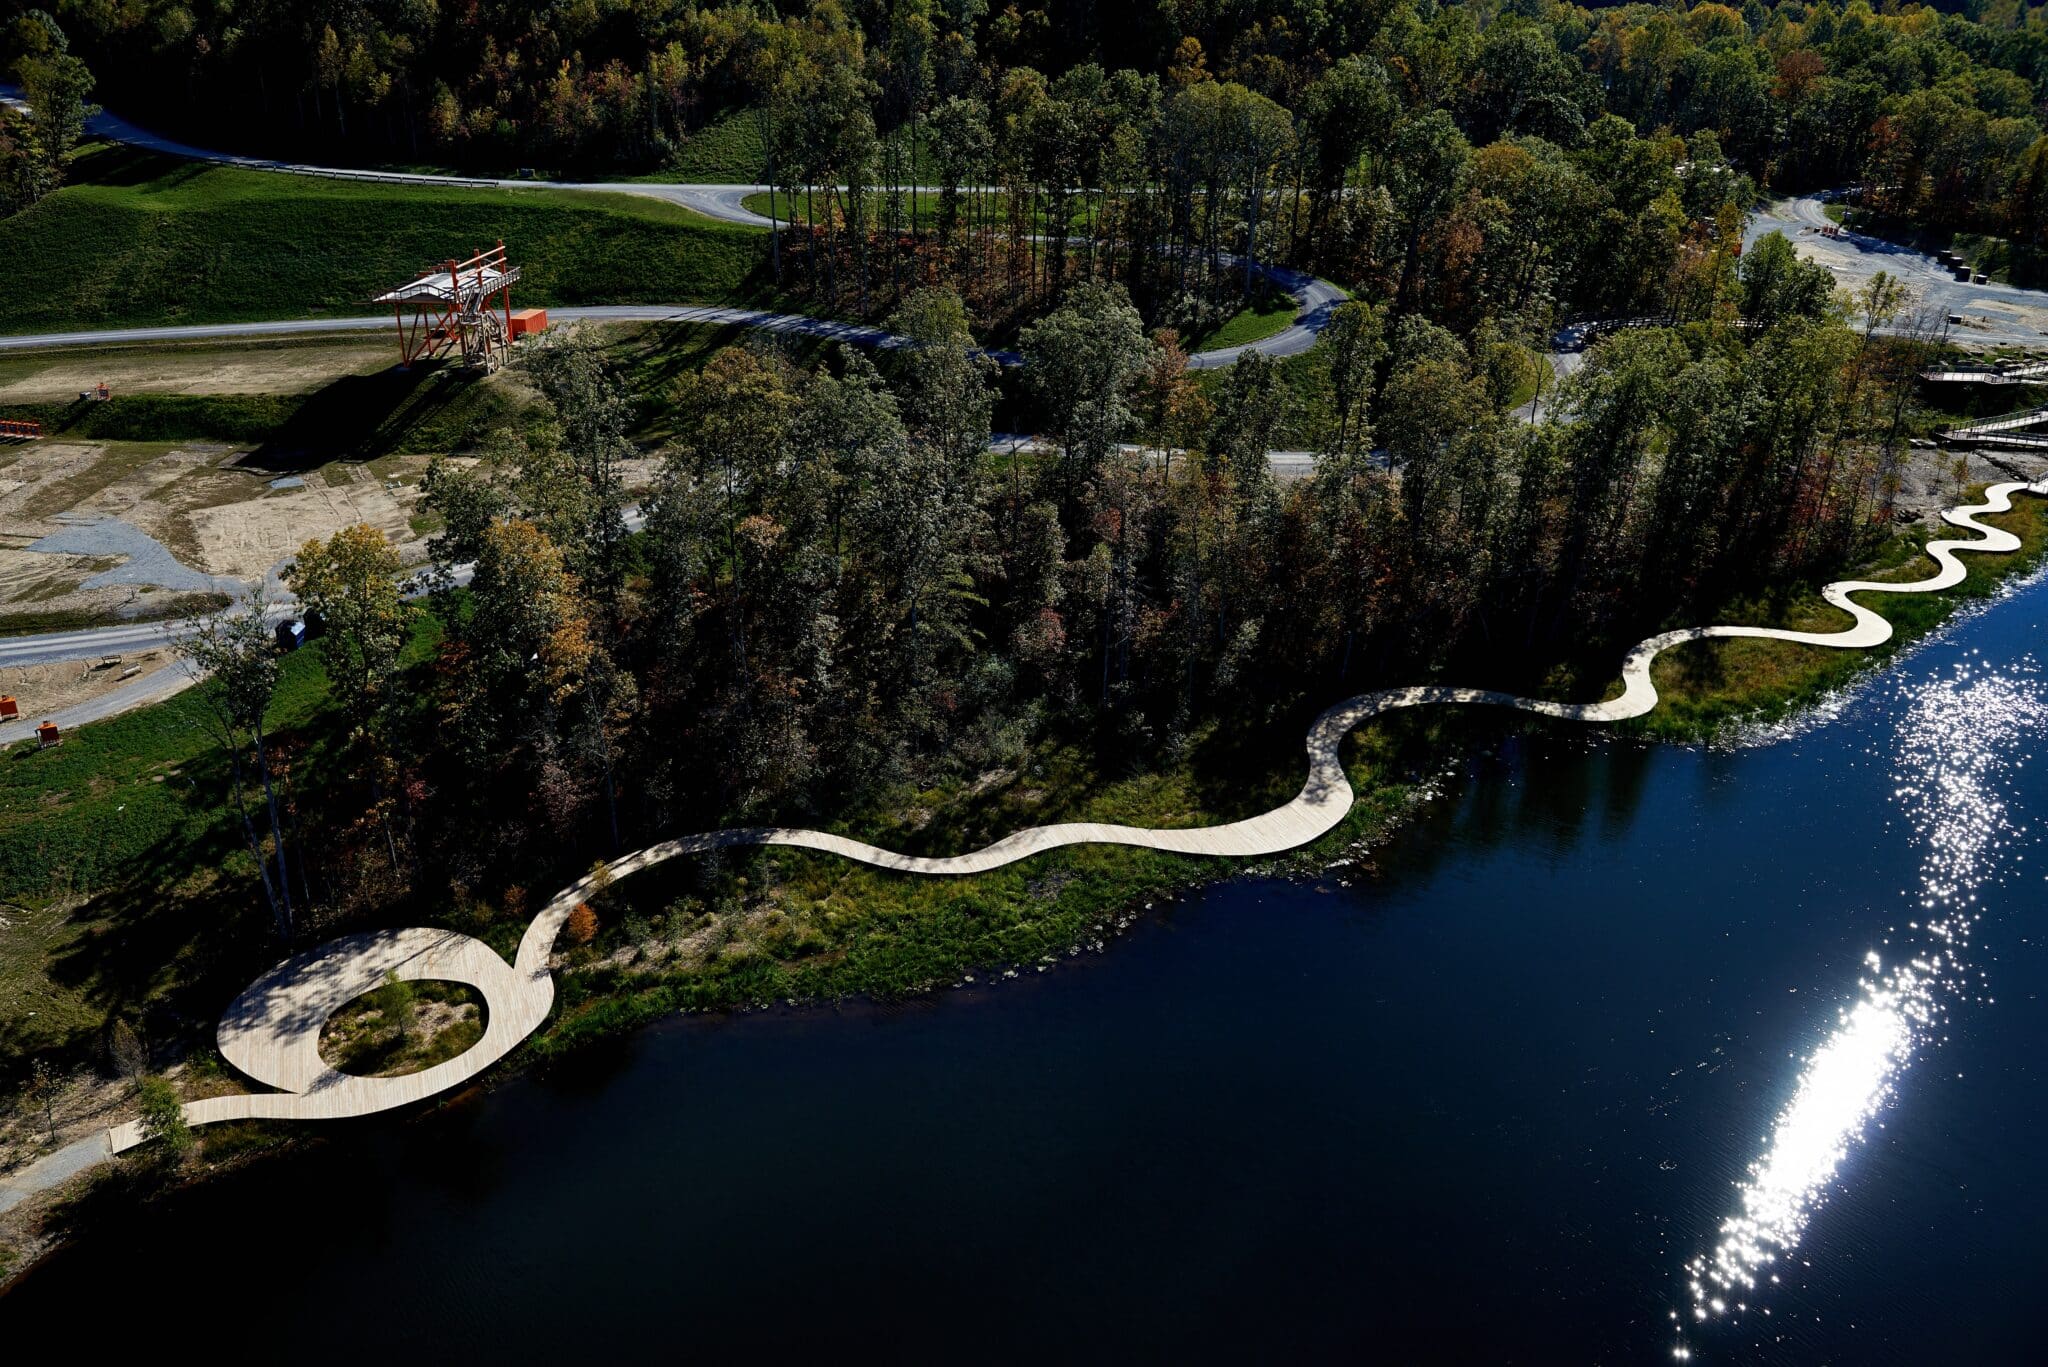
[1381,809]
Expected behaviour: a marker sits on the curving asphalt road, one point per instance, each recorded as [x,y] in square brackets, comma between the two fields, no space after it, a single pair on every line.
[272,1030]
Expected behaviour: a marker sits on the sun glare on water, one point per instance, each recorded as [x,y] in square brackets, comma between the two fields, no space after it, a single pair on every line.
[1959,743]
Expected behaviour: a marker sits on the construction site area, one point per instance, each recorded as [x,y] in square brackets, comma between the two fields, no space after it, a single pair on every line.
[149,482]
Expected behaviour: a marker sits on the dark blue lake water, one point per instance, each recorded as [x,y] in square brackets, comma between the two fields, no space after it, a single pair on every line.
[1496,1101]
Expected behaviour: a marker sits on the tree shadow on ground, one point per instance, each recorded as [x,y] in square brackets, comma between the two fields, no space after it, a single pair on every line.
[120,165]
[361,417]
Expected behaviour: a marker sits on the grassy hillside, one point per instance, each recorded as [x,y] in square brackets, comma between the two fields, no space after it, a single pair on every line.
[727,151]
[426,409]
[141,240]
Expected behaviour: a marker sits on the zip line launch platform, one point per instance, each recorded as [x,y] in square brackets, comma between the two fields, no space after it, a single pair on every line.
[465,305]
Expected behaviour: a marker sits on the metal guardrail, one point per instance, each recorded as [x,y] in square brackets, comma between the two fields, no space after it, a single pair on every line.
[2027,418]
[2026,441]
[1992,375]
[2005,431]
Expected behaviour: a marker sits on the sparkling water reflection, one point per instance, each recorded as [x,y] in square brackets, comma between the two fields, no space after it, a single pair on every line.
[1959,745]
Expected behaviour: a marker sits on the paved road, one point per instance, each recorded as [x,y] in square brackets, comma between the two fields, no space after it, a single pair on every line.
[649,313]
[166,682]
[55,1169]
[54,647]
[720,201]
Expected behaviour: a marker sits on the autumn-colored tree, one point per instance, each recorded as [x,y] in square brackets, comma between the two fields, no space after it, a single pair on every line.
[581,926]
[350,582]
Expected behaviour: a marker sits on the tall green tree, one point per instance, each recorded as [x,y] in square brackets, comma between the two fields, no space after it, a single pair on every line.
[236,657]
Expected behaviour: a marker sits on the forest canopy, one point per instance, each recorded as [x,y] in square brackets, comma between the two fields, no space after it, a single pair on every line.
[1487,153]
[841,593]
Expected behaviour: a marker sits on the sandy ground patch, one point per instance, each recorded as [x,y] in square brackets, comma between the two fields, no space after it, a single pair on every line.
[212,515]
[142,489]
[271,369]
[33,577]
[246,539]
[44,689]
[36,482]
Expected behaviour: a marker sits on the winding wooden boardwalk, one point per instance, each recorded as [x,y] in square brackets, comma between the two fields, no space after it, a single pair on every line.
[272,1031]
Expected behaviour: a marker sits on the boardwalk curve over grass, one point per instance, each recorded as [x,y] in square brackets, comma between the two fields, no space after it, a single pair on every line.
[272,1030]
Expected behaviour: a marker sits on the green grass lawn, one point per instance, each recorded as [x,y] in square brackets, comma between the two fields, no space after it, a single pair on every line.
[141,240]
[126,885]
[726,151]
[791,210]
[122,883]
[1310,415]
[1269,312]
[779,923]
[729,151]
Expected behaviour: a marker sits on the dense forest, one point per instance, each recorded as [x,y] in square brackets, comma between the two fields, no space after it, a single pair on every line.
[1936,106]
[840,593]
[839,598]
[840,589]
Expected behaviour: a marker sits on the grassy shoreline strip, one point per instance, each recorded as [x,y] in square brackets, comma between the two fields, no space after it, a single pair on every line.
[926,932]
[1706,687]
[99,824]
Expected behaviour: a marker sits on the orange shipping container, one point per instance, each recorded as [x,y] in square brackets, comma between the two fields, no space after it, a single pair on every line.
[528,321]
[9,708]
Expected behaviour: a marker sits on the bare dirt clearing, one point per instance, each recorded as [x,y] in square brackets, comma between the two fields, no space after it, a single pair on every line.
[210,515]
[272,368]
[247,538]
[44,689]
[1935,479]
[37,577]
